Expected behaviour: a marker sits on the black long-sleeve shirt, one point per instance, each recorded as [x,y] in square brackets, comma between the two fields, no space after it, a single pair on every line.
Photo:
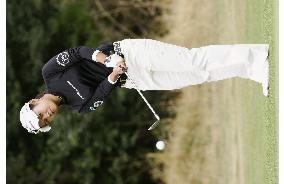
[80,81]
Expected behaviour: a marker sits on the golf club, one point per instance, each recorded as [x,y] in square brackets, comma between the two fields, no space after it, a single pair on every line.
[145,100]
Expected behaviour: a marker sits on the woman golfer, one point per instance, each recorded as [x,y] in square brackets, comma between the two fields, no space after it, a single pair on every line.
[82,77]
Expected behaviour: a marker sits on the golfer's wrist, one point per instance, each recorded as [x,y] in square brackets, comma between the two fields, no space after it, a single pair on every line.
[113,77]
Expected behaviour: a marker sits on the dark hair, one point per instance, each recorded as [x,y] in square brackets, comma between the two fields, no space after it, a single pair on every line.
[39,95]
[31,106]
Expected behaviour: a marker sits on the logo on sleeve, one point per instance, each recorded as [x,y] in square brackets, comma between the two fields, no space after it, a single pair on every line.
[96,104]
[62,58]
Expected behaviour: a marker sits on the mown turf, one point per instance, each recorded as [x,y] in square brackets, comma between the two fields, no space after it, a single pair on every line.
[261,127]
[224,132]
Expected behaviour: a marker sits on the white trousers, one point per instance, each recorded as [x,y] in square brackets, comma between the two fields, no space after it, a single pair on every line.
[154,65]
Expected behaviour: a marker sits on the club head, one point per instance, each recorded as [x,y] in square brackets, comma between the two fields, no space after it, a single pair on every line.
[154,125]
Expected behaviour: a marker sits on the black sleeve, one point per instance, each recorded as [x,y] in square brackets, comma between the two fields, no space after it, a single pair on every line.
[103,89]
[67,58]
[106,48]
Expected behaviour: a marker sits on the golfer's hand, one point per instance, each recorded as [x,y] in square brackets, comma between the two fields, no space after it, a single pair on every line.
[121,64]
[119,69]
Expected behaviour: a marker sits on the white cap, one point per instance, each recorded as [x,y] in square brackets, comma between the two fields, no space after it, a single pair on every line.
[30,120]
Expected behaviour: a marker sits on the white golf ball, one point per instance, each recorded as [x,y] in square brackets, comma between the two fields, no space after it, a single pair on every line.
[160,145]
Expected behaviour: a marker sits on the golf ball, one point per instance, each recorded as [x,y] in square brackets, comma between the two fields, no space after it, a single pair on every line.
[160,145]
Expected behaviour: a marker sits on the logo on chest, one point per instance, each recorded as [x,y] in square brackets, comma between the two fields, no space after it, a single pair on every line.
[77,91]
[62,58]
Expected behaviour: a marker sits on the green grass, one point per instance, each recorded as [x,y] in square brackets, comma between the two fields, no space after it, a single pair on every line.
[261,125]
[226,132]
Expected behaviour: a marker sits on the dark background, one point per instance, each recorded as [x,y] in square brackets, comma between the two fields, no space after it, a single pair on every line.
[107,146]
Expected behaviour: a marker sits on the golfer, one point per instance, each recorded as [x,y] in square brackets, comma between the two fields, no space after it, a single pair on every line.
[83,77]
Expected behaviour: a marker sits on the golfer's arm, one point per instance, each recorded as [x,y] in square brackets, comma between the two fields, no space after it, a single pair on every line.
[88,53]
[67,58]
[102,91]
[112,78]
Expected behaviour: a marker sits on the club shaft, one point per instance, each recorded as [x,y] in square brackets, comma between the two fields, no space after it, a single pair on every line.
[145,100]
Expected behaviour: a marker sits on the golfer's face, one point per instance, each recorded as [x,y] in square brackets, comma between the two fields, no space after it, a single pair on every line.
[46,111]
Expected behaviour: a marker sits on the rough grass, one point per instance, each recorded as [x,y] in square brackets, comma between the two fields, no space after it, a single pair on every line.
[226,131]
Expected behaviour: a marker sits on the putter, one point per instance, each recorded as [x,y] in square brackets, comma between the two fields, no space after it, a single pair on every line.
[155,124]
